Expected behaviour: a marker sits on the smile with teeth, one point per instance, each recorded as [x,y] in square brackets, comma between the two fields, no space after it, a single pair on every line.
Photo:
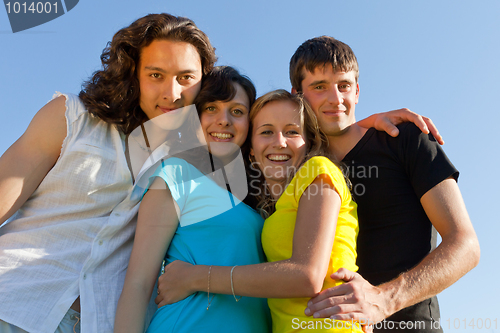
[276,157]
[222,136]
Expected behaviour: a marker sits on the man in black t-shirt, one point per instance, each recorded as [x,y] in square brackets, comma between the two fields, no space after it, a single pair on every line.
[404,186]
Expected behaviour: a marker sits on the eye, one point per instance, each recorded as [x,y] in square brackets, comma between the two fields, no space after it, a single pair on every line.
[266,132]
[345,87]
[210,108]
[238,112]
[293,132]
[187,77]
[318,88]
[155,75]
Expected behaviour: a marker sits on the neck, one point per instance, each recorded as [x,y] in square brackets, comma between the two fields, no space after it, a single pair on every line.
[275,188]
[155,135]
[340,145]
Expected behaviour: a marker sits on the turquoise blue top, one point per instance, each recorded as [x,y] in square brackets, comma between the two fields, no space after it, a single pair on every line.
[215,228]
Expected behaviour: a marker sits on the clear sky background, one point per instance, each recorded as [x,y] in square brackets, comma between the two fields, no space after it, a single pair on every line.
[438,58]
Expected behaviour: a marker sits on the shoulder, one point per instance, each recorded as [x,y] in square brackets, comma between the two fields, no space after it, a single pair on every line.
[318,168]
[175,169]
[409,128]
[320,165]
[411,131]
[44,137]
[177,163]
[72,104]
[48,129]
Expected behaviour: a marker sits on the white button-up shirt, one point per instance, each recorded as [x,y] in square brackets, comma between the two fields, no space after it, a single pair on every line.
[74,235]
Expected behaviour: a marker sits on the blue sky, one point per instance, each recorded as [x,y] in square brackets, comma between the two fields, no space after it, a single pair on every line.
[438,58]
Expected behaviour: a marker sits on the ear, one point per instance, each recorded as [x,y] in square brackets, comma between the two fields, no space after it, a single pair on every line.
[251,152]
[294,91]
[357,92]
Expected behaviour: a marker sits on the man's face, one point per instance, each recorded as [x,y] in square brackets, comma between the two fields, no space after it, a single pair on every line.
[333,96]
[169,76]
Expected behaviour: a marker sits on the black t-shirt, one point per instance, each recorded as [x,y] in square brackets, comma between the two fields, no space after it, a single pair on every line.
[389,176]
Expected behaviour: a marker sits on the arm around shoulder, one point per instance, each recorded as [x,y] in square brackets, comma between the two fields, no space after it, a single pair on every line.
[302,275]
[25,164]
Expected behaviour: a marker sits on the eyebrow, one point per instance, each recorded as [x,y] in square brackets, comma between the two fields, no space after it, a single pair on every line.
[152,68]
[232,105]
[240,104]
[159,69]
[315,83]
[293,125]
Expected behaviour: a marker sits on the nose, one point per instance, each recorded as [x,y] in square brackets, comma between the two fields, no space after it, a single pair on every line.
[172,90]
[224,118]
[280,141]
[335,97]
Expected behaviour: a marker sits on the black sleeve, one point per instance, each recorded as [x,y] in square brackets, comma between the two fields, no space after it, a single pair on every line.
[425,161]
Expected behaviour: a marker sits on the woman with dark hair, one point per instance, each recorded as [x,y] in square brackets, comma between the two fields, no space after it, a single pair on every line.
[311,221]
[65,184]
[193,211]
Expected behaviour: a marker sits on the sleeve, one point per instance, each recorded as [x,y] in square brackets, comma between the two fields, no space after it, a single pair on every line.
[315,166]
[175,173]
[424,160]
[74,110]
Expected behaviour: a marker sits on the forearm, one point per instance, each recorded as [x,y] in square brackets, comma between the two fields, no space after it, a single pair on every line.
[453,258]
[131,309]
[283,279]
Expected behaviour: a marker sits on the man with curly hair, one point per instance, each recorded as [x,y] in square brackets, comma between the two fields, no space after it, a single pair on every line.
[65,183]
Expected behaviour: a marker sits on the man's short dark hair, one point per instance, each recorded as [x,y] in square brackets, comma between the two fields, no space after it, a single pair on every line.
[319,52]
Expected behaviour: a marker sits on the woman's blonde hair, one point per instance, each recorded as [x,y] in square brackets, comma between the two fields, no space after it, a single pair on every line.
[316,144]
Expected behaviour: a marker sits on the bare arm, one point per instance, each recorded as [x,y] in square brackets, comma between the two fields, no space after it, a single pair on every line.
[300,276]
[156,226]
[24,165]
[457,254]
[387,121]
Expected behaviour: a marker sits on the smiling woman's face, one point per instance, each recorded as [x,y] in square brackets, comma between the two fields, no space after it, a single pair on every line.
[278,140]
[225,124]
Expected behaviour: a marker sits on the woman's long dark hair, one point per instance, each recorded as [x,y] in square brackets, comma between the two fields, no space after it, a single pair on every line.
[112,94]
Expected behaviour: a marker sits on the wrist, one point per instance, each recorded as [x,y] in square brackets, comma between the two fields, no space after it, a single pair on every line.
[198,278]
[391,292]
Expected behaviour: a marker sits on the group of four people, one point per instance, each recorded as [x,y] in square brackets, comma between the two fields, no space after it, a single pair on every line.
[68,191]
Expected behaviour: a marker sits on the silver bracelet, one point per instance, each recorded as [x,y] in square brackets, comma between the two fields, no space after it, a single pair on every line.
[232,287]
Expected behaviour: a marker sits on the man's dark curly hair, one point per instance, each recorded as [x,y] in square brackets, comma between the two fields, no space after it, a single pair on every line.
[112,94]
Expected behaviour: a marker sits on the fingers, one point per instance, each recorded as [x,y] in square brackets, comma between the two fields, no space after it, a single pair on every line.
[418,120]
[162,303]
[161,280]
[343,274]
[386,125]
[338,291]
[434,131]
[333,301]
[326,308]
[368,328]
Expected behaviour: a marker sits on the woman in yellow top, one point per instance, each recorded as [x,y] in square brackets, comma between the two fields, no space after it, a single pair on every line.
[311,224]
